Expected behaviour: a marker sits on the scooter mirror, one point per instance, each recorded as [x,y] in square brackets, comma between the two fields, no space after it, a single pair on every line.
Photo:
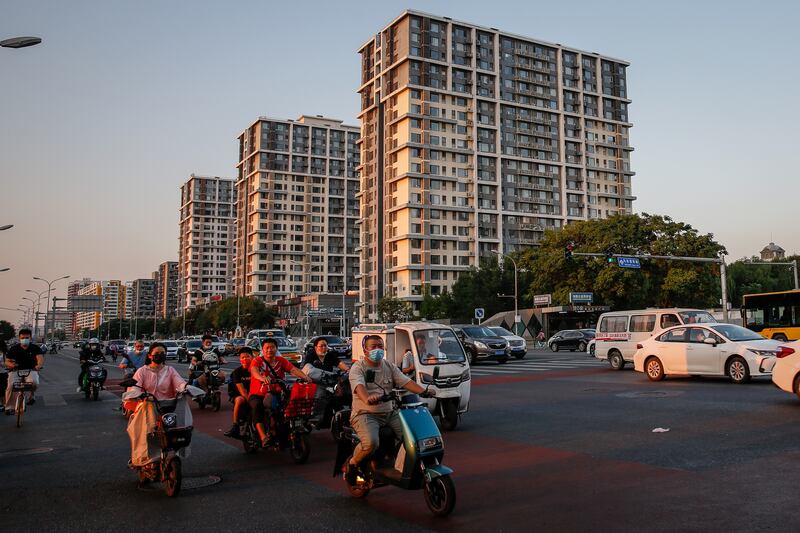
[435,373]
[369,376]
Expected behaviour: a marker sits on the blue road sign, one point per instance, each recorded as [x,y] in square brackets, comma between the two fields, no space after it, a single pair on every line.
[629,262]
[581,297]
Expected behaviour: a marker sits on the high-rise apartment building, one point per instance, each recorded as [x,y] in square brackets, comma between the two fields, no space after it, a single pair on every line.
[475,140]
[73,289]
[144,303]
[113,293]
[166,286]
[297,208]
[205,254]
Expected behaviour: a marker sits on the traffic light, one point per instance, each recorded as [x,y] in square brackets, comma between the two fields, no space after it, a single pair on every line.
[568,250]
[610,257]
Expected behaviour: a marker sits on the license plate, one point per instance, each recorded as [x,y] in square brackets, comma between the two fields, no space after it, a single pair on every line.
[499,352]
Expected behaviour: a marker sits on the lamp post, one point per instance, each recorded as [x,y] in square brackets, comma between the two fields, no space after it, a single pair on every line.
[6,269]
[7,226]
[49,287]
[39,296]
[35,317]
[516,292]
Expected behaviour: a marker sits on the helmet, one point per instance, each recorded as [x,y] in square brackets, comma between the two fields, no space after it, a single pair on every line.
[94,341]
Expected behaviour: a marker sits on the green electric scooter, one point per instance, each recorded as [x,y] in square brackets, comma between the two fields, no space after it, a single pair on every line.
[413,464]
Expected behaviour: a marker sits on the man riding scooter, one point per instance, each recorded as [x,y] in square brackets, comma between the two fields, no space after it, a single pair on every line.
[197,367]
[92,354]
[369,414]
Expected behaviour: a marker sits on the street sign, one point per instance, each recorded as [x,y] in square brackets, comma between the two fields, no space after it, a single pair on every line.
[581,297]
[629,262]
[85,303]
[542,299]
[479,313]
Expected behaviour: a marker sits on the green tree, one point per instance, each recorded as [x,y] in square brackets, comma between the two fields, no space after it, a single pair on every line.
[391,309]
[744,277]
[7,330]
[658,282]
[435,307]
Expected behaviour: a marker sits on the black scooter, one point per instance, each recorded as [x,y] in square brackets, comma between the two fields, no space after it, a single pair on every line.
[413,464]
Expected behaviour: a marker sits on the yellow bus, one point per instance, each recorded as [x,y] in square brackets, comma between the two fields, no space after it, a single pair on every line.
[775,315]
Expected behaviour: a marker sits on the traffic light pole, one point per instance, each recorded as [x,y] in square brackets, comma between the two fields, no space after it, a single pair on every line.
[723,274]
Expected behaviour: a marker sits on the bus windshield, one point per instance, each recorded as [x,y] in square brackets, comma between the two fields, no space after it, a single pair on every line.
[777,310]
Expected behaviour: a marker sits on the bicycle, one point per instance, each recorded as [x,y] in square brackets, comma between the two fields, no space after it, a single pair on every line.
[21,387]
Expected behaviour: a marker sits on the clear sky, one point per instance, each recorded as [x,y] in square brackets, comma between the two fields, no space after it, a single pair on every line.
[102,122]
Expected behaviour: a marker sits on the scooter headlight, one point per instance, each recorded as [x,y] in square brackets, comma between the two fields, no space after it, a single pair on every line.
[431,443]
[169,420]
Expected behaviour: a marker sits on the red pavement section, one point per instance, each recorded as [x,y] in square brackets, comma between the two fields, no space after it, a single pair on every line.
[500,484]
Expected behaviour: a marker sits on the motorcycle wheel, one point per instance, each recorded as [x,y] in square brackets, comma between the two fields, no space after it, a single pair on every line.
[87,391]
[215,402]
[449,418]
[95,392]
[19,408]
[301,448]
[249,444]
[173,477]
[440,495]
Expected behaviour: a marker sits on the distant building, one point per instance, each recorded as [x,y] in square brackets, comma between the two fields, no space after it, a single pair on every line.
[167,285]
[297,208]
[144,304]
[772,251]
[206,234]
[73,289]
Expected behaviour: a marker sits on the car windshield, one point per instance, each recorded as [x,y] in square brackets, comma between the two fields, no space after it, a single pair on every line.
[737,333]
[697,317]
[193,344]
[478,331]
[283,342]
[441,347]
[503,332]
[334,340]
[169,344]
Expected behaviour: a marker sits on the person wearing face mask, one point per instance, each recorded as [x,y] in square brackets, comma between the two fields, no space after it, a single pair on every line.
[135,359]
[164,383]
[197,366]
[23,356]
[369,414]
[91,354]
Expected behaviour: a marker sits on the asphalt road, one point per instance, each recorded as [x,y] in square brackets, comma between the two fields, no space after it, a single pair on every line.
[564,447]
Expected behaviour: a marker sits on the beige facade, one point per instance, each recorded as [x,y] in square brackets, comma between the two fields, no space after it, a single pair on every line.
[206,233]
[297,208]
[475,140]
[90,320]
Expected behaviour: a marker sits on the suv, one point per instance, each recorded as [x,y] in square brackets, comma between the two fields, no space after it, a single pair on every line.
[185,352]
[571,339]
[336,344]
[481,343]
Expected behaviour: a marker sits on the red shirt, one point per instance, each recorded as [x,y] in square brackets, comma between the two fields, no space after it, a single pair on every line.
[280,365]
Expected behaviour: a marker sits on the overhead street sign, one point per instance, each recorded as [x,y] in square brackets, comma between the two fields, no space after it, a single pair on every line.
[87,303]
[542,299]
[629,262]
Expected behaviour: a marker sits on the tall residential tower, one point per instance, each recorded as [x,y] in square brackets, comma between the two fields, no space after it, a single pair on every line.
[297,208]
[205,253]
[475,140]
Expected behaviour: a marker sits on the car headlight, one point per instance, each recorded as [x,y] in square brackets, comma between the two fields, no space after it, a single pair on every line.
[426,378]
[465,376]
[762,353]
[431,443]
[482,346]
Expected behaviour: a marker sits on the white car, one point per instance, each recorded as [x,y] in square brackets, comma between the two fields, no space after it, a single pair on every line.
[706,350]
[518,346]
[786,373]
[172,348]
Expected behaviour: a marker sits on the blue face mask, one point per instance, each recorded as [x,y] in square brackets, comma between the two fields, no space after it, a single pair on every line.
[376,355]
[25,342]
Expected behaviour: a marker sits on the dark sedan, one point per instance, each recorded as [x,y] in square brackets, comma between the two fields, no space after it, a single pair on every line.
[336,344]
[571,339]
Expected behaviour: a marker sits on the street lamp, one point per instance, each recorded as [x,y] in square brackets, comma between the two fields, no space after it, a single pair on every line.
[516,309]
[344,307]
[35,312]
[7,226]
[6,269]
[20,42]
[49,286]
[39,296]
